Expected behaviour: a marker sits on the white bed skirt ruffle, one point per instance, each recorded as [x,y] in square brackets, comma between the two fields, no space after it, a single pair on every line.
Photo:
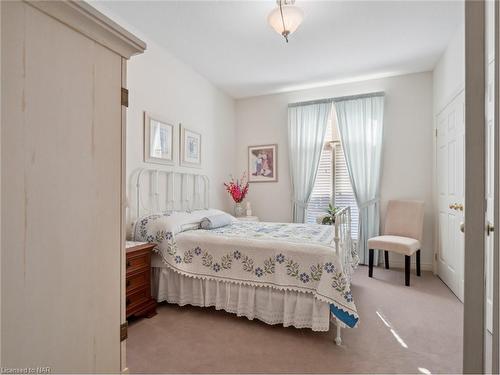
[272,306]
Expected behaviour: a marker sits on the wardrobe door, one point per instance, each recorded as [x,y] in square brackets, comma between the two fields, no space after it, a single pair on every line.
[61,191]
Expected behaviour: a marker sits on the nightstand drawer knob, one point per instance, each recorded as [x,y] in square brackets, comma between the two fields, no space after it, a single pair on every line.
[128,263]
[128,301]
[128,283]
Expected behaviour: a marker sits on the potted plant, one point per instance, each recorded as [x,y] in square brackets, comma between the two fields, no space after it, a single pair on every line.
[329,218]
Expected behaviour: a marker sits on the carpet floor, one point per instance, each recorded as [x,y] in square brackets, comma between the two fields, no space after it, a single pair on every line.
[402,330]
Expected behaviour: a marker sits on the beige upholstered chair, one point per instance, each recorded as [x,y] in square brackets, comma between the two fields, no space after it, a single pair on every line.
[402,234]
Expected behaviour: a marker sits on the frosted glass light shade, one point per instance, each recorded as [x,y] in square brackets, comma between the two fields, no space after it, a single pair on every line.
[292,18]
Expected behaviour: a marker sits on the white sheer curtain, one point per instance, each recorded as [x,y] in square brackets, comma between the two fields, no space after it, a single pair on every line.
[307,124]
[361,123]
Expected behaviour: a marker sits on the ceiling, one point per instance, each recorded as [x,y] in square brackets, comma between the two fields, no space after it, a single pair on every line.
[231,44]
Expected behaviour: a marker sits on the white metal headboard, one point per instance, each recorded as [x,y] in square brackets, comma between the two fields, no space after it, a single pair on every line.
[158,190]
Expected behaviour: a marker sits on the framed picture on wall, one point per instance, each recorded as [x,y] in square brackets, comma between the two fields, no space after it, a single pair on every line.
[263,163]
[190,148]
[158,140]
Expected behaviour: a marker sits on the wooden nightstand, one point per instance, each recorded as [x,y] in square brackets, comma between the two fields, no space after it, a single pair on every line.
[138,280]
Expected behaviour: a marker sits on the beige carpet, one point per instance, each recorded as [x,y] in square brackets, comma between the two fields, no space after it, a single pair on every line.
[422,333]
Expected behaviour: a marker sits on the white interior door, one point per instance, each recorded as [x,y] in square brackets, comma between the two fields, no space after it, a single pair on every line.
[450,178]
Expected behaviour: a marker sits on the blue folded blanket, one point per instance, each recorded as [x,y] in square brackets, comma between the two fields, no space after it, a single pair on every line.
[216,221]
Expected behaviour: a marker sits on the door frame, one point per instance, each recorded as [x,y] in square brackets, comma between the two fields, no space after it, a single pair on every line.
[475,206]
[123,269]
[496,246]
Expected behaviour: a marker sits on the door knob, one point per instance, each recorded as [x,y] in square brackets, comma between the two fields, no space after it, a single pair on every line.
[490,228]
[461,207]
[462,227]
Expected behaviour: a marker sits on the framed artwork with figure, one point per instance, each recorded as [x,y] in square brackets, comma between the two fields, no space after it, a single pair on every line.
[190,148]
[263,163]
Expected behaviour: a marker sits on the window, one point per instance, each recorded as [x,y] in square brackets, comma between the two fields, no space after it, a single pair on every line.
[323,185]
[344,195]
[332,181]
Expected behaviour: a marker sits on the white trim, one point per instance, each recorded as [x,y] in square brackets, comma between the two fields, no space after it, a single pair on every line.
[435,197]
[448,100]
[123,224]
[85,19]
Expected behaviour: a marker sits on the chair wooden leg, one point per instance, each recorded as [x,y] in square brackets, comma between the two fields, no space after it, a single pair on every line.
[407,270]
[386,256]
[418,262]
[370,263]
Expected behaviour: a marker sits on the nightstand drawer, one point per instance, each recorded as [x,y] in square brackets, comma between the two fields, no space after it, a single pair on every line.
[137,262]
[137,298]
[137,280]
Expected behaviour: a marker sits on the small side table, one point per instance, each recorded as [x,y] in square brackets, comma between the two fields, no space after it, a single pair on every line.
[138,280]
[248,218]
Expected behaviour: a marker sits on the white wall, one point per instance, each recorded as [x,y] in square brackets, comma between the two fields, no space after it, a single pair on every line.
[161,84]
[449,73]
[408,144]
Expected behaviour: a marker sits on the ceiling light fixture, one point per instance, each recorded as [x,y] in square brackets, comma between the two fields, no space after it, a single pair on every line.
[285,18]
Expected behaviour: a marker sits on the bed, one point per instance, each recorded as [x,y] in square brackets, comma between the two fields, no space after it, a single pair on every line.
[291,274]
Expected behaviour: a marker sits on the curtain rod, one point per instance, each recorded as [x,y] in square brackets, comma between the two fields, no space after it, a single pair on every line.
[338,99]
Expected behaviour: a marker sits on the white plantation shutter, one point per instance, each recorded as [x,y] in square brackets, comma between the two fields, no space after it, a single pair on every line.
[323,186]
[344,195]
[332,173]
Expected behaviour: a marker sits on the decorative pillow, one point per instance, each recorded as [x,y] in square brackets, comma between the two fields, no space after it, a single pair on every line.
[190,226]
[216,221]
[172,222]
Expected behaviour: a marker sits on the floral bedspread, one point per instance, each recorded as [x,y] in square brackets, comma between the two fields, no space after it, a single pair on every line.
[297,257]
[298,233]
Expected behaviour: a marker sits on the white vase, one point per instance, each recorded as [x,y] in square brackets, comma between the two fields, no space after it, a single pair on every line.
[238,209]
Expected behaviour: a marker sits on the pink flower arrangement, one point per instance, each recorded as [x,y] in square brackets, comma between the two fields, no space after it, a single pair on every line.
[237,189]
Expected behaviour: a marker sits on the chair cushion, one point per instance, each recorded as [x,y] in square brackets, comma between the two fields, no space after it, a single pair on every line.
[405,219]
[397,244]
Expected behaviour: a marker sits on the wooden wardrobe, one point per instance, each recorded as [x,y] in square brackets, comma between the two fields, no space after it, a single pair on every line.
[63,71]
